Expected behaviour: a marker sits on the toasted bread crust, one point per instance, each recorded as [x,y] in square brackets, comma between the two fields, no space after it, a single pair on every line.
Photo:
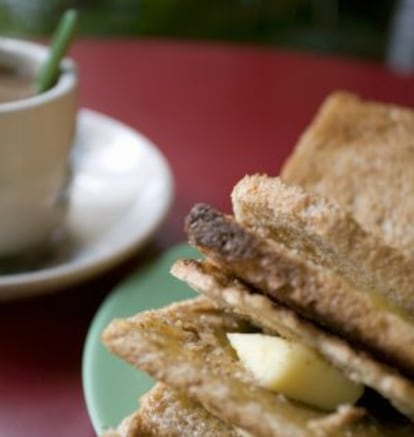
[164,412]
[236,297]
[314,292]
[129,427]
[184,345]
[361,154]
[320,230]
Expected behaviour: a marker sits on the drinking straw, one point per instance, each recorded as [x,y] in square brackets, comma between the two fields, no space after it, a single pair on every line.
[61,40]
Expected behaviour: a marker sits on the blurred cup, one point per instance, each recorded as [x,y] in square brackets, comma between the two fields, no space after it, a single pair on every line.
[36,135]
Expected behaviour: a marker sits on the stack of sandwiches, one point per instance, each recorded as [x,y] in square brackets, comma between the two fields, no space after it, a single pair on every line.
[305,321]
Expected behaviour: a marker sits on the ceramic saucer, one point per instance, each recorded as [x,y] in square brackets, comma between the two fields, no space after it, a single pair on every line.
[121,191]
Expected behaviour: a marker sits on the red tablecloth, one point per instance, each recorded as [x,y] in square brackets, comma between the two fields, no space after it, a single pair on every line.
[217,112]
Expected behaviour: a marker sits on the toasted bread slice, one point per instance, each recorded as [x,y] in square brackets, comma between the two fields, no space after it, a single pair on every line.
[164,412]
[129,427]
[185,346]
[315,292]
[327,234]
[361,154]
[238,298]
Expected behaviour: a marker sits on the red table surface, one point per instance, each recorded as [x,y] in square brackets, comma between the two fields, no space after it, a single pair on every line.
[217,112]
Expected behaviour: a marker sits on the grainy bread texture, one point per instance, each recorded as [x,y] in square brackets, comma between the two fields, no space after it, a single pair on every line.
[164,412]
[185,346]
[314,292]
[361,154]
[322,231]
[327,261]
[236,297]
[129,427]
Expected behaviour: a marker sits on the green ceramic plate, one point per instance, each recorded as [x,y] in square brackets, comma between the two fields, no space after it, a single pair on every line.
[112,387]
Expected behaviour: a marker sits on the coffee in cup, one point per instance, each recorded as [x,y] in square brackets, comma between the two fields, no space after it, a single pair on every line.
[35,144]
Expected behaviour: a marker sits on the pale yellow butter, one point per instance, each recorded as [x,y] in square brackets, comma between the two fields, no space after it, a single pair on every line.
[294,370]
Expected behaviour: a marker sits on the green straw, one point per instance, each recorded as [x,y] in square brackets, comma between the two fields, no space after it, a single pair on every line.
[49,71]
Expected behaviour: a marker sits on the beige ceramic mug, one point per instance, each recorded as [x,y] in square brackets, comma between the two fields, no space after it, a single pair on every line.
[36,135]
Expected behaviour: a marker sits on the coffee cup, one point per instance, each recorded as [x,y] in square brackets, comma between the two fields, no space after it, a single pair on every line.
[36,135]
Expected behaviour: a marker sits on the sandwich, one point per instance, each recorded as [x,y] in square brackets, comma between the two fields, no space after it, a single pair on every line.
[304,323]
[185,346]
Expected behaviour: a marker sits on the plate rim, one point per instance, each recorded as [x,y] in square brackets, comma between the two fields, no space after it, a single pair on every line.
[109,309]
[52,279]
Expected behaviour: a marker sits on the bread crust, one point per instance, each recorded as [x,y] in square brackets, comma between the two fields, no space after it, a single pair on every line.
[314,292]
[322,231]
[165,412]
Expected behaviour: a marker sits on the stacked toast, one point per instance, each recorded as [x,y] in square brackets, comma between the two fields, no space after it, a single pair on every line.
[321,258]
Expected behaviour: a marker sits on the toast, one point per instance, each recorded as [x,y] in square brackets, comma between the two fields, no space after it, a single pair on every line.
[314,292]
[361,154]
[237,298]
[185,346]
[324,257]
[322,231]
[164,412]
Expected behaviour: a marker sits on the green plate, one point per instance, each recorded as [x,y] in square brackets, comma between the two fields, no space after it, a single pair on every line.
[112,387]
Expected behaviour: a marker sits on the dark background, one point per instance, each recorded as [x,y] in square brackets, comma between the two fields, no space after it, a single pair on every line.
[358,28]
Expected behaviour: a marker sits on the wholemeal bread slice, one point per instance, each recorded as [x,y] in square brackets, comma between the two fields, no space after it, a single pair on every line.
[185,346]
[315,292]
[165,412]
[322,231]
[361,153]
[236,297]
[129,427]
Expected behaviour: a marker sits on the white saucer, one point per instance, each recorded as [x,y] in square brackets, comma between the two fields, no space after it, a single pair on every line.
[122,190]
